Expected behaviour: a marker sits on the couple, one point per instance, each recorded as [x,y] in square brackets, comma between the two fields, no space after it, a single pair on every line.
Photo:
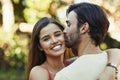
[87,27]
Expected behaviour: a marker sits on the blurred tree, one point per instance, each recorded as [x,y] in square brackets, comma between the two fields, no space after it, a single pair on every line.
[14,48]
[36,9]
[8,15]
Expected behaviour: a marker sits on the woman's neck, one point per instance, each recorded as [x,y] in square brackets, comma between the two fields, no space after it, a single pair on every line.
[54,65]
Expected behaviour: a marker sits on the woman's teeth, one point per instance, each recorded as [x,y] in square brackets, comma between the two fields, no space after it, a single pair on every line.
[58,47]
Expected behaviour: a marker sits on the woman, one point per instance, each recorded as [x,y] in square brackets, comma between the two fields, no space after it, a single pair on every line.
[46,51]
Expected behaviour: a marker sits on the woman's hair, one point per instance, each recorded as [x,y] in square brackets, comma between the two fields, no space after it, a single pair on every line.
[36,56]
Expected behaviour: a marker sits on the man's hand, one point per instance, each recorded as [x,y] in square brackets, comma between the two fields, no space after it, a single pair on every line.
[108,74]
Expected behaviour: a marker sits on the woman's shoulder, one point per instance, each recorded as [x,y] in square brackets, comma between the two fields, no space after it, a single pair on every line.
[38,69]
[35,73]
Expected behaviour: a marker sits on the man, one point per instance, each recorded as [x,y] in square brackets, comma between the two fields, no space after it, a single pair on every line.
[87,28]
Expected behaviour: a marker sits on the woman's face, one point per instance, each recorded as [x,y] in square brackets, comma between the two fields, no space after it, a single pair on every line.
[51,40]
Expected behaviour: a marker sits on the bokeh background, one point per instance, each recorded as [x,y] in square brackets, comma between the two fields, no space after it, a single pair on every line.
[17,18]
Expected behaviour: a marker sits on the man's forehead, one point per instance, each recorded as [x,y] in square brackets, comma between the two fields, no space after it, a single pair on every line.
[71,16]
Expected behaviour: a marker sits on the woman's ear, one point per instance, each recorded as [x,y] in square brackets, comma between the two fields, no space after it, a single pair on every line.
[40,48]
[84,28]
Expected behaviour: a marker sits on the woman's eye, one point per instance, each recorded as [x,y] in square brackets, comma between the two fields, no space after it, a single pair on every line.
[58,34]
[45,39]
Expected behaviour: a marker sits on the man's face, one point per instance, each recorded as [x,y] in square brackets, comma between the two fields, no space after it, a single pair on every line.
[72,34]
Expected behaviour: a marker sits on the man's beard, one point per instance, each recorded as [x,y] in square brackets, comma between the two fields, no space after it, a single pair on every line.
[72,40]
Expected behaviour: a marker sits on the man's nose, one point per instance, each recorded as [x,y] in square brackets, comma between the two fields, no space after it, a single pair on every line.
[66,29]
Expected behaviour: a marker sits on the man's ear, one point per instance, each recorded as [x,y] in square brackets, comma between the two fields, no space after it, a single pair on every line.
[84,28]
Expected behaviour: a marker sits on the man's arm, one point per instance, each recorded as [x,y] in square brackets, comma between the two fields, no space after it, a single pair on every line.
[109,72]
[114,56]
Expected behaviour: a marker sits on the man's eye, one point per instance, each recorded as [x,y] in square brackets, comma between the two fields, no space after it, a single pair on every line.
[68,24]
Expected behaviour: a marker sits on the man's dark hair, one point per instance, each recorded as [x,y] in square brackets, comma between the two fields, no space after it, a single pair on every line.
[94,16]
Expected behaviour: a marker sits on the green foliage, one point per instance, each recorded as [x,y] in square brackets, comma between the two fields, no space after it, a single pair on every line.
[13,61]
[16,1]
[109,43]
[41,5]
[12,75]
[14,49]
[32,15]
[103,46]
[36,9]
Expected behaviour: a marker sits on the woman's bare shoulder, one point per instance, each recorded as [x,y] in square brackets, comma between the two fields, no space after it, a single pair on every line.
[38,73]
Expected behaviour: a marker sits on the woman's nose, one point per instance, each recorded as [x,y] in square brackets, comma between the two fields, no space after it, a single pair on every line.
[54,40]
